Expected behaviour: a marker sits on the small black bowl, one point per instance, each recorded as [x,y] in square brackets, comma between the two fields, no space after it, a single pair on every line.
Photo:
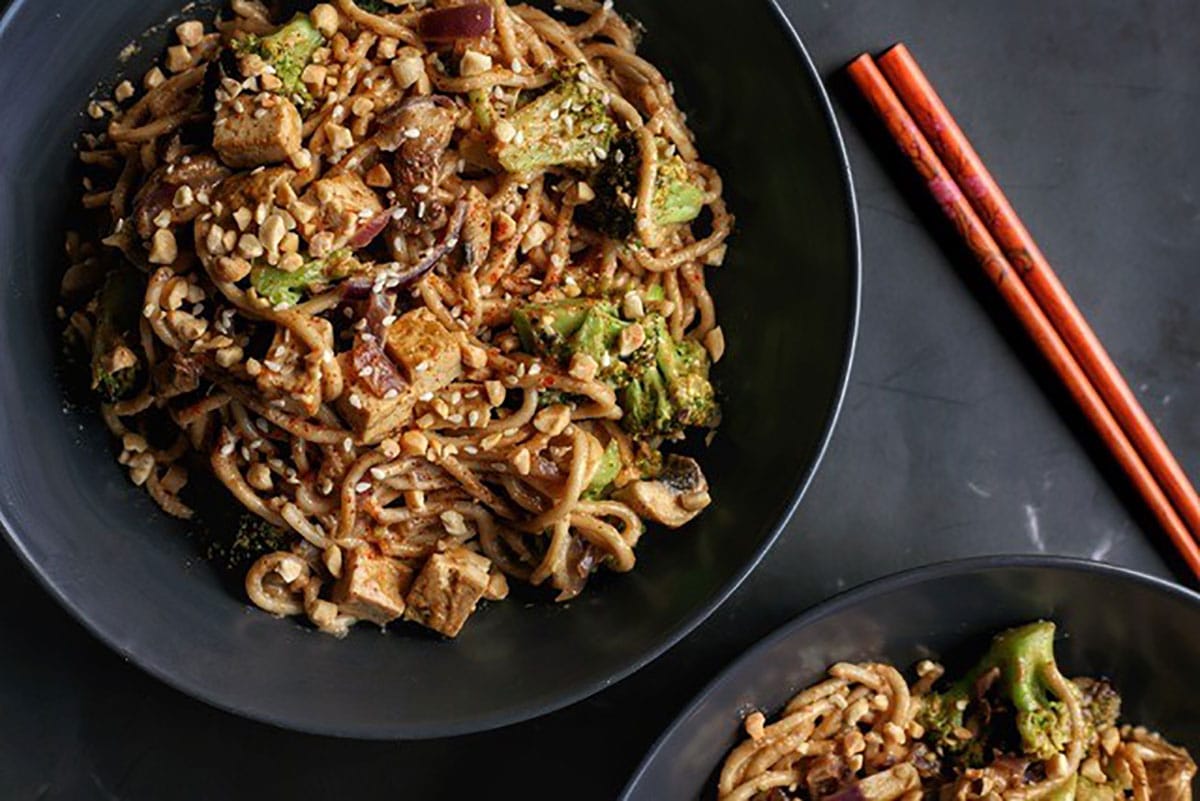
[788,299]
[1141,632]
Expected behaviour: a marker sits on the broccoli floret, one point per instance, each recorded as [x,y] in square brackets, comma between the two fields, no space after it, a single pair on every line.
[1100,703]
[606,473]
[1023,656]
[663,384]
[647,405]
[684,365]
[678,197]
[116,366]
[566,327]
[567,126]
[668,388]
[289,50]
[280,287]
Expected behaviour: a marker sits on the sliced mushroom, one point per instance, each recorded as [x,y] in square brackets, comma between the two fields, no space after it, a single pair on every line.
[418,131]
[672,499]
[199,172]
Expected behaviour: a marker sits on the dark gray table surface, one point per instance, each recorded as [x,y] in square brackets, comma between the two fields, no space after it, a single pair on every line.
[949,444]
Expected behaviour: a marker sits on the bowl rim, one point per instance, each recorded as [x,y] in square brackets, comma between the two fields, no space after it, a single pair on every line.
[882,586]
[468,724]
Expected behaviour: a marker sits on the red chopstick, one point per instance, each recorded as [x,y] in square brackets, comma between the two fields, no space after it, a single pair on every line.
[976,235]
[986,197]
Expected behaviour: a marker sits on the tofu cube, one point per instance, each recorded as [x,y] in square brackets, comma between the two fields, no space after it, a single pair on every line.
[371,417]
[265,131]
[343,203]
[447,589]
[426,352]
[372,586]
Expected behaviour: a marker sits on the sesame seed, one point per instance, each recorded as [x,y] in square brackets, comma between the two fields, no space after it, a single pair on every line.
[362,486]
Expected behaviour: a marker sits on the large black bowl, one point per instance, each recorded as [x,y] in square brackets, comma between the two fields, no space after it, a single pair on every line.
[1141,632]
[788,300]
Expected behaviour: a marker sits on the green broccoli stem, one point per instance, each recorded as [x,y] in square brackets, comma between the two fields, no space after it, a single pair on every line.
[1027,676]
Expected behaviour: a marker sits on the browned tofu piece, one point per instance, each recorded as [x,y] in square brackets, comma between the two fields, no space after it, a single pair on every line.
[371,416]
[372,586]
[343,203]
[426,352]
[289,377]
[447,589]
[267,130]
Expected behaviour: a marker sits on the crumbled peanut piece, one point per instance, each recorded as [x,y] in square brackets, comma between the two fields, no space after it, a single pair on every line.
[179,58]
[553,419]
[503,226]
[378,176]
[414,443]
[583,367]
[495,392]
[250,246]
[163,249]
[536,236]
[243,217]
[474,63]
[631,338]
[291,262]
[272,232]
[140,468]
[325,17]
[190,33]
[386,49]
[632,306]
[716,256]
[580,194]
[504,131]
[227,357]
[183,197]
[153,78]
[259,477]
[314,75]
[474,356]
[408,67]
[339,136]
[123,91]
[231,268]
[188,326]
[522,461]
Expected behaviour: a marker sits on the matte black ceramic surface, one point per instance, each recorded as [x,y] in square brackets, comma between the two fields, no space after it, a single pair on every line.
[788,300]
[1141,632]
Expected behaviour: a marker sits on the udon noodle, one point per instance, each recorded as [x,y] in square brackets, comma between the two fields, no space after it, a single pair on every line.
[422,283]
[1013,728]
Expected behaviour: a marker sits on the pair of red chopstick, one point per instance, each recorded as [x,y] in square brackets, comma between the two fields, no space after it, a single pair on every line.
[967,194]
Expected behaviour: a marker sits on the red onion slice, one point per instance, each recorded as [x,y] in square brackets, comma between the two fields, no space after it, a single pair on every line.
[460,22]
[375,369]
[366,234]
